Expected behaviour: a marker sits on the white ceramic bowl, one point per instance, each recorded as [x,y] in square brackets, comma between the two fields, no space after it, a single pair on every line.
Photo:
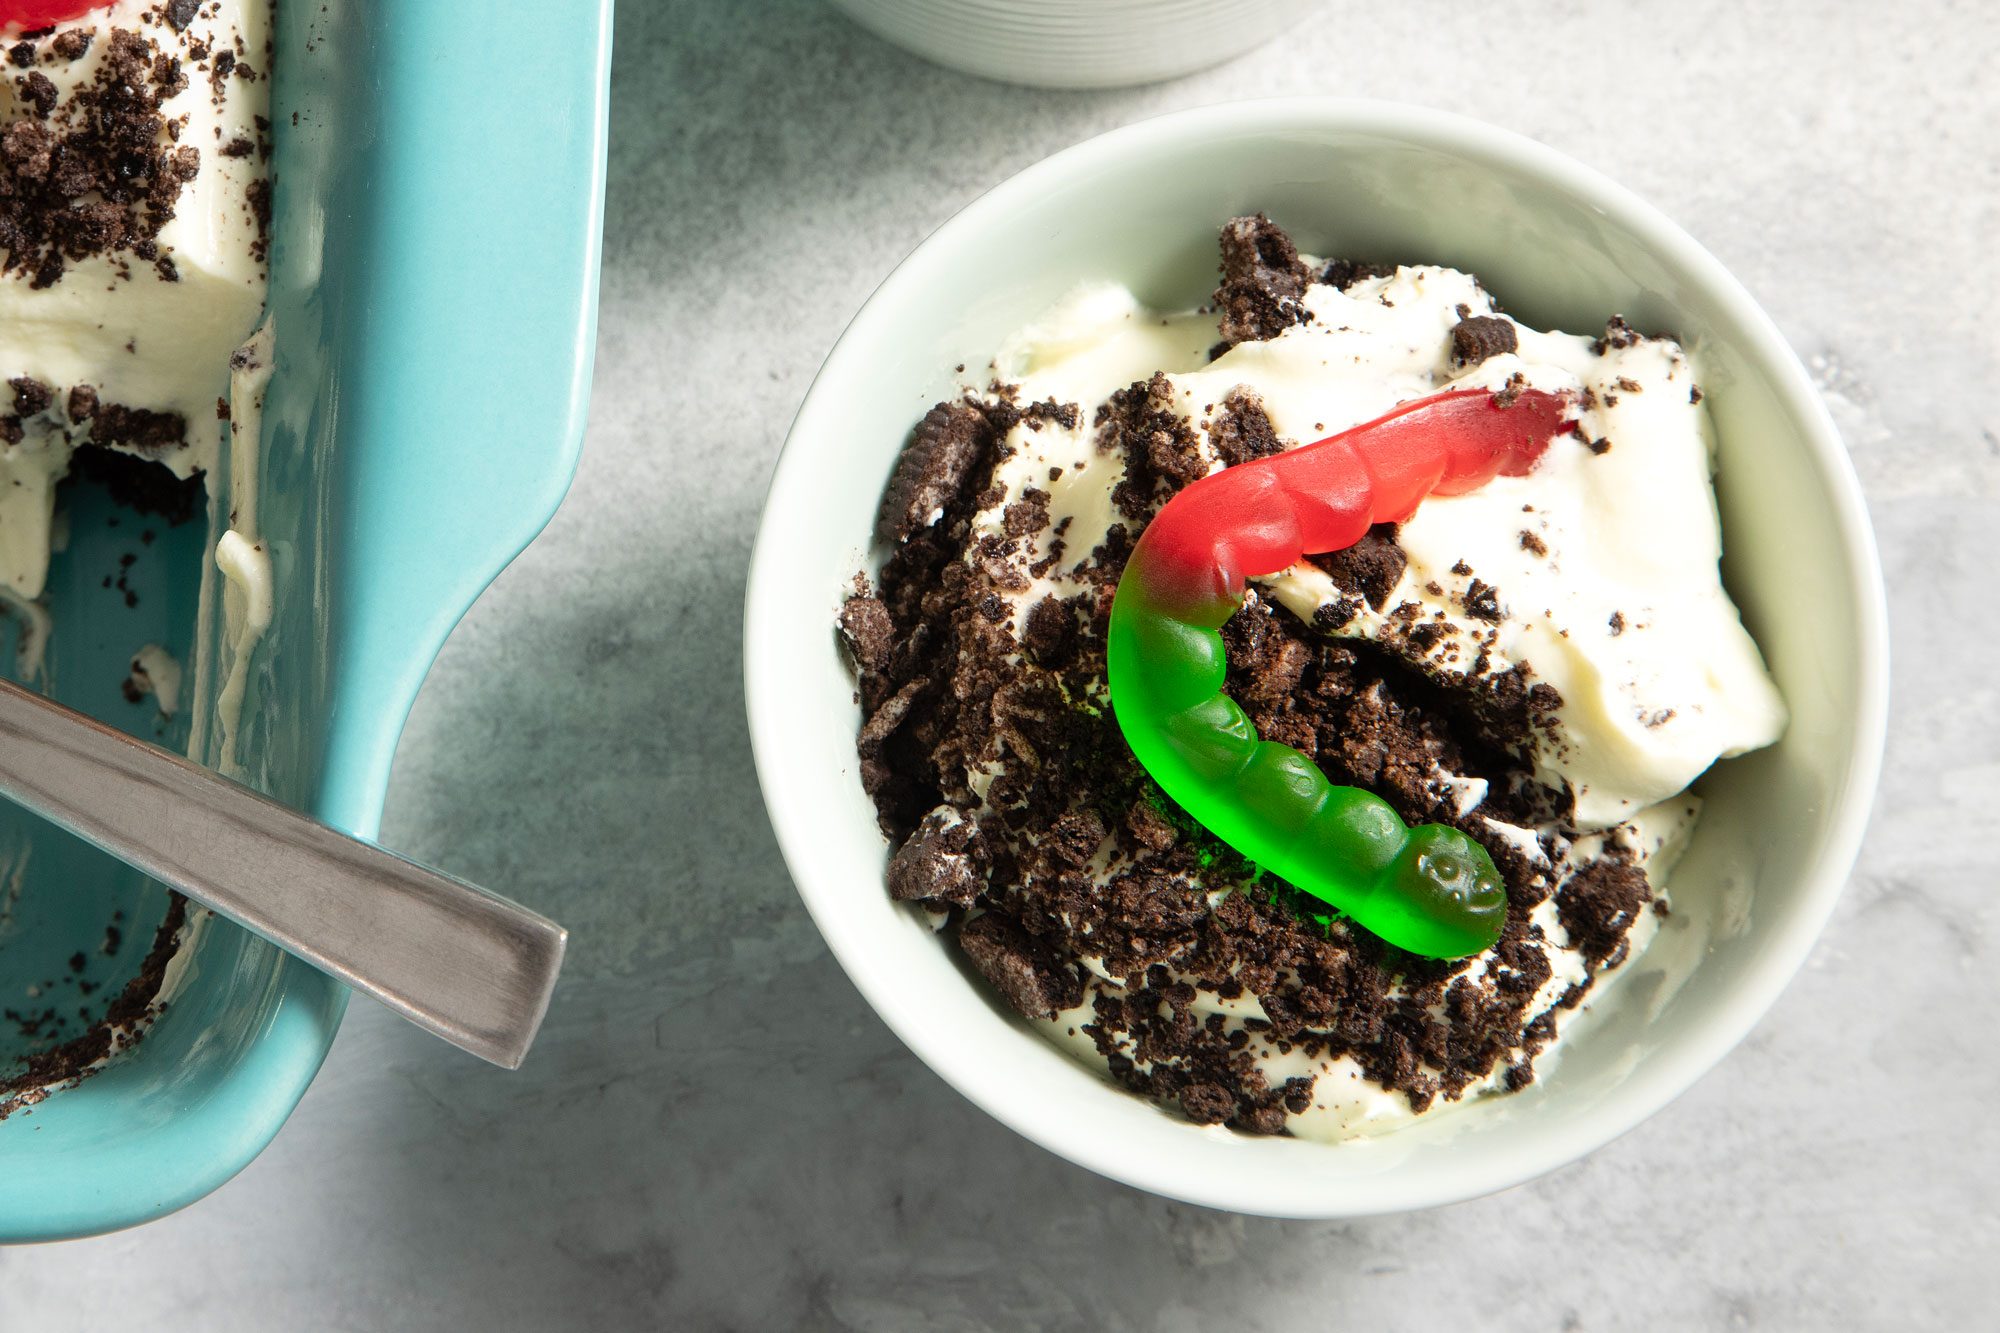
[1066,44]
[1561,247]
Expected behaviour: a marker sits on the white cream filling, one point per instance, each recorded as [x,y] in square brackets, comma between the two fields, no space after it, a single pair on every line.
[241,556]
[157,672]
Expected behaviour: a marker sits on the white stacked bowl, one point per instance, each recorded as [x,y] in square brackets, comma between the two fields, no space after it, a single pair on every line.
[1077,43]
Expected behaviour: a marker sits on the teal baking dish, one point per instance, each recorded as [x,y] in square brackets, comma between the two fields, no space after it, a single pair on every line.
[436,239]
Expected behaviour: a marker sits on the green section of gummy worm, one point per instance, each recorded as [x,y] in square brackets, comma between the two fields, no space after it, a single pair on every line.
[1431,890]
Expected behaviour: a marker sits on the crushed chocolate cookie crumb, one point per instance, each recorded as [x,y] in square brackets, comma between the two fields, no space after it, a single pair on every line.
[1617,333]
[31,396]
[135,1005]
[938,864]
[73,43]
[96,173]
[1337,614]
[258,195]
[1344,273]
[1599,904]
[867,633]
[1474,340]
[1022,969]
[134,483]
[1263,281]
[1482,601]
[1161,451]
[934,468]
[1370,568]
[1050,632]
[1241,430]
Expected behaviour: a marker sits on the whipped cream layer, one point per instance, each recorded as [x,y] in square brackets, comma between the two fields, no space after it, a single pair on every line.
[1595,574]
[146,328]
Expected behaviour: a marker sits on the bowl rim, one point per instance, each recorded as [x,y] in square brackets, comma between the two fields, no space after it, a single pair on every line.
[1659,1080]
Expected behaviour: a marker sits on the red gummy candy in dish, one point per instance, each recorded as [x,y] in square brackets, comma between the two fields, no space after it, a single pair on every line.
[28,15]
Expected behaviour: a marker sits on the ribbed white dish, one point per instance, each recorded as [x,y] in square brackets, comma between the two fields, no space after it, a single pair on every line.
[1077,43]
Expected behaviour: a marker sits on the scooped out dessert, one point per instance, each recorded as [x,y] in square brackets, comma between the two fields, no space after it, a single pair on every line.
[135,198]
[1306,787]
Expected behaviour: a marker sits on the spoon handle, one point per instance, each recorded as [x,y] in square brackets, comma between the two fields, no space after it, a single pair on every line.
[452,958]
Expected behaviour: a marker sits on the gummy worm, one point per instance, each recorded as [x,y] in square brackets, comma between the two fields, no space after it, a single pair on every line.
[1431,890]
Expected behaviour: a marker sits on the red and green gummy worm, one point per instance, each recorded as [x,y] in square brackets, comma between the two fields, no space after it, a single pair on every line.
[1431,890]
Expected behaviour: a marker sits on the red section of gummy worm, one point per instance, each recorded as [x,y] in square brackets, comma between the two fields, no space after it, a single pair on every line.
[1259,517]
[30,15]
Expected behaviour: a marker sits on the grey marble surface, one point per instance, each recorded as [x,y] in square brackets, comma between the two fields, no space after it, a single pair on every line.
[715,1132]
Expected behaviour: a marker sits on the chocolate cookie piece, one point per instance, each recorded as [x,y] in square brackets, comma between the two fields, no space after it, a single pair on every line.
[1617,333]
[1599,904]
[1344,273]
[1162,452]
[1073,839]
[1241,430]
[1482,601]
[31,396]
[1475,339]
[867,632]
[1050,632]
[1147,829]
[876,731]
[940,457]
[1025,973]
[1263,281]
[939,863]
[137,428]
[137,484]
[1370,568]
[1207,1103]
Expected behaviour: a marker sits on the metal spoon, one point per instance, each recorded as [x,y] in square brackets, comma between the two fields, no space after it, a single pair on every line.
[454,959]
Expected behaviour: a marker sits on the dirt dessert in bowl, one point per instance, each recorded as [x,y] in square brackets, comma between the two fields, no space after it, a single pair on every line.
[1539,664]
[1435,650]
